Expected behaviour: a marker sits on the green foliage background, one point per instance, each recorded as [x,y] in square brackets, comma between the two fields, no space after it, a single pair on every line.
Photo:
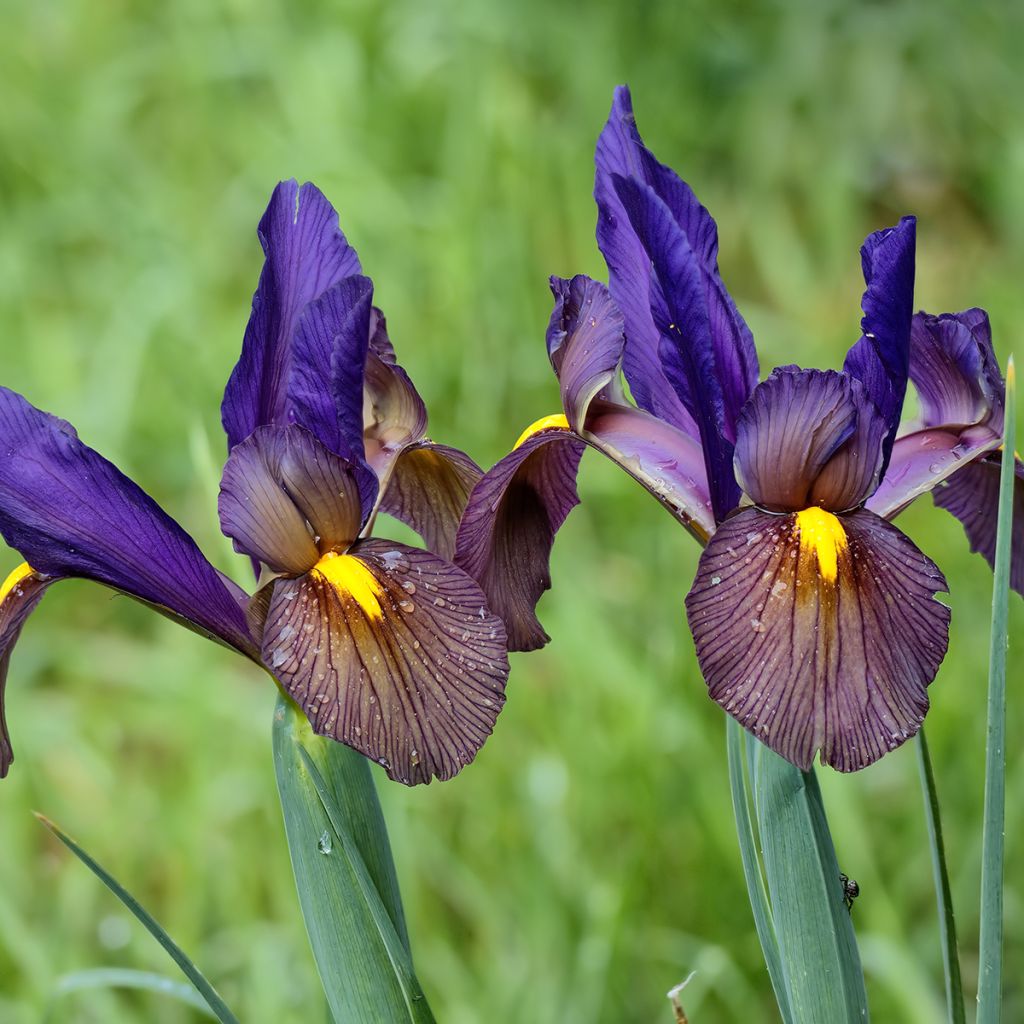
[586,862]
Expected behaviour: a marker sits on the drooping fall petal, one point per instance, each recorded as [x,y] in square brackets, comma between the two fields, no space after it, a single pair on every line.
[819,632]
[392,651]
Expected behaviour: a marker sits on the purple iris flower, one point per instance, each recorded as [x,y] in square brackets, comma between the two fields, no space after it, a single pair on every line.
[388,648]
[815,620]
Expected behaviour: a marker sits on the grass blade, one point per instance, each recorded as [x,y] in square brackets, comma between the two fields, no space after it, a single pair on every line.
[817,946]
[943,894]
[990,967]
[125,977]
[740,786]
[194,975]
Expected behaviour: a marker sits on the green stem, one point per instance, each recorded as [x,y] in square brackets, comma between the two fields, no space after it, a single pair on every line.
[991,947]
[943,894]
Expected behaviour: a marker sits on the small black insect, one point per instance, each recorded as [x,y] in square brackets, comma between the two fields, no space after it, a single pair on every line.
[851,890]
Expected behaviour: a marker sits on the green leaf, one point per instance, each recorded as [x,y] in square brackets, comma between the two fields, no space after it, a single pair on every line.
[205,989]
[817,946]
[124,977]
[943,894]
[739,783]
[345,876]
[990,966]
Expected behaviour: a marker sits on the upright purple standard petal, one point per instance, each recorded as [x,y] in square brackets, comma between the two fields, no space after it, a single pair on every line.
[585,342]
[819,632]
[687,349]
[306,254]
[881,359]
[809,437]
[72,513]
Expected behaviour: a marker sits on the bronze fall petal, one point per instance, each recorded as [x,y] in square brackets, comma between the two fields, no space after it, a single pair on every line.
[819,632]
[392,651]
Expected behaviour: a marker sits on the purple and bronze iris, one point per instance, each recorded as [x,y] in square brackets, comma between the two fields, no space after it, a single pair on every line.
[387,648]
[815,620]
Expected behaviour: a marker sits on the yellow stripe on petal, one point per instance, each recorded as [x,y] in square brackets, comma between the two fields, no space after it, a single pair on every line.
[557,421]
[14,579]
[350,577]
[822,533]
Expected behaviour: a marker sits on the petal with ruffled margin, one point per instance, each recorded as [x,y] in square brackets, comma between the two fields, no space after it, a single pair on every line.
[809,437]
[686,347]
[428,490]
[392,651]
[507,531]
[278,480]
[881,358]
[306,253]
[819,632]
[585,340]
[70,512]
[19,594]
[972,495]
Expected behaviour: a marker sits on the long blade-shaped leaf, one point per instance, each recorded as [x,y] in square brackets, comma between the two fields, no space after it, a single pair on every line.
[817,946]
[345,876]
[194,975]
[943,894]
[991,949]
[125,977]
[740,785]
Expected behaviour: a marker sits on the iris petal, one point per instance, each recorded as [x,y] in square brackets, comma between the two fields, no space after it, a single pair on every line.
[70,512]
[19,595]
[306,253]
[819,633]
[278,480]
[428,490]
[392,651]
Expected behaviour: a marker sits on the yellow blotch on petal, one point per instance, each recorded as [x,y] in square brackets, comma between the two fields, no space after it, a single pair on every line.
[350,576]
[14,579]
[544,423]
[822,533]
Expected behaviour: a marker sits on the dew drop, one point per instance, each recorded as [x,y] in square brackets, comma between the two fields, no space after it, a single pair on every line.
[408,586]
[715,580]
[407,606]
[325,844]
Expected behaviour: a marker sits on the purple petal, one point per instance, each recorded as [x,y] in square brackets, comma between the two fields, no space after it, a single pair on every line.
[881,358]
[278,480]
[972,495]
[20,593]
[687,349]
[507,531]
[306,254]
[809,437]
[325,383]
[664,460]
[585,343]
[953,368]
[72,513]
[819,632]
[428,490]
[392,651]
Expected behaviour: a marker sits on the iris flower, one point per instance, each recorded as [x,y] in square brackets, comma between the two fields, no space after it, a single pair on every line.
[388,648]
[814,618]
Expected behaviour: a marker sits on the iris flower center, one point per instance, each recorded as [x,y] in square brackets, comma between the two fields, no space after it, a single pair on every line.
[558,420]
[350,577]
[822,533]
[17,576]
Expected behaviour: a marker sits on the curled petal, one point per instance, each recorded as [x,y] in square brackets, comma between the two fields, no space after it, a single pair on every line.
[19,594]
[428,490]
[392,651]
[70,512]
[881,358]
[306,253]
[507,531]
[278,480]
[809,437]
[972,495]
[819,632]
[584,342]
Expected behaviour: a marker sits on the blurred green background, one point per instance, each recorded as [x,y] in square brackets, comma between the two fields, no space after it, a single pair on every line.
[587,861]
